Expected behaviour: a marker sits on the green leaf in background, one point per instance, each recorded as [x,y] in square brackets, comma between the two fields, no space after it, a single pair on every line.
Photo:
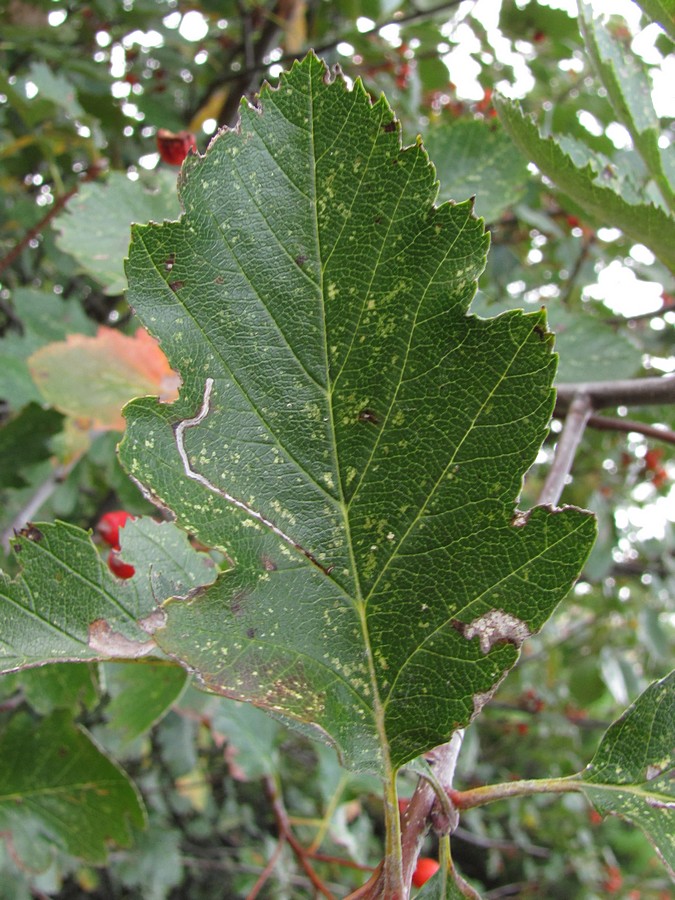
[93,377]
[155,865]
[24,441]
[661,11]
[41,318]
[70,686]
[630,93]
[345,432]
[141,695]
[590,350]
[94,228]
[67,605]
[631,775]
[477,158]
[252,738]
[57,787]
[644,222]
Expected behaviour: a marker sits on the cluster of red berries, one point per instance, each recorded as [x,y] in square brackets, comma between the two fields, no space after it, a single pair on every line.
[109,529]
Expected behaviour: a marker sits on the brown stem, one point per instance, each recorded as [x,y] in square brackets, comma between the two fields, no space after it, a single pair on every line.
[479,840]
[339,861]
[605,423]
[284,827]
[480,796]
[254,71]
[588,242]
[255,54]
[423,810]
[631,392]
[269,868]
[93,172]
[578,415]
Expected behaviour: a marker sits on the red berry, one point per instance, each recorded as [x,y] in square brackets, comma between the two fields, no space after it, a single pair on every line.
[110,524]
[659,478]
[653,459]
[173,148]
[119,568]
[594,817]
[613,880]
[426,867]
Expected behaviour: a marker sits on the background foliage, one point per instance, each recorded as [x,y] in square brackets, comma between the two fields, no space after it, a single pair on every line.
[84,89]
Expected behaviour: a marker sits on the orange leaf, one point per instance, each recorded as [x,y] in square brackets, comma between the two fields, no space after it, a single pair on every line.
[93,377]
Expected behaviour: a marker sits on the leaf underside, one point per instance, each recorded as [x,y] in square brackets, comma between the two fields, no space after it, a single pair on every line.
[632,773]
[350,438]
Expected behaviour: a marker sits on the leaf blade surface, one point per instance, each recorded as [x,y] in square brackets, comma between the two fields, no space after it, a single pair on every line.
[345,432]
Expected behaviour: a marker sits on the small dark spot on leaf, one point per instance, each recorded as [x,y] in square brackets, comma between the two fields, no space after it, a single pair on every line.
[541,331]
[31,533]
[394,162]
[62,751]
[169,261]
[176,285]
[377,220]
[237,602]
[219,279]
[250,632]
[390,126]
[268,564]
[301,259]
[369,415]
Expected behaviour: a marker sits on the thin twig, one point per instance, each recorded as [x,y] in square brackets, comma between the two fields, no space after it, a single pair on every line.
[246,79]
[339,861]
[479,840]
[588,242]
[284,827]
[605,423]
[407,19]
[33,505]
[93,172]
[269,868]
[578,415]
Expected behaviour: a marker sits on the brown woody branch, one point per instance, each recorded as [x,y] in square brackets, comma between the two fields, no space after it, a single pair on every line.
[578,402]
[93,172]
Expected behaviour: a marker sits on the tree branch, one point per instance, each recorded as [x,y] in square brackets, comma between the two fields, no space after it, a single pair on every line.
[631,392]
[605,423]
[577,417]
[93,172]
[286,833]
[254,54]
[255,70]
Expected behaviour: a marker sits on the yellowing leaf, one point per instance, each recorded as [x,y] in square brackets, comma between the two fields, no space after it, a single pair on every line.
[93,377]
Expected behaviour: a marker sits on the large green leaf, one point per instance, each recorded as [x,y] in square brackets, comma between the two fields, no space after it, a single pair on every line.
[57,787]
[345,432]
[631,775]
[644,222]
